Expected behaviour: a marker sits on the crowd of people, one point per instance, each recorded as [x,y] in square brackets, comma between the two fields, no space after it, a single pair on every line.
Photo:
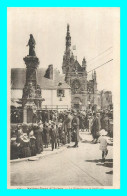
[62,128]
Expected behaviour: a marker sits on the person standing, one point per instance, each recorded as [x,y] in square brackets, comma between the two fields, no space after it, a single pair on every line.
[25,146]
[32,143]
[106,123]
[75,124]
[60,130]
[14,148]
[38,136]
[103,144]
[46,131]
[53,137]
[69,126]
[64,127]
[95,128]
[90,122]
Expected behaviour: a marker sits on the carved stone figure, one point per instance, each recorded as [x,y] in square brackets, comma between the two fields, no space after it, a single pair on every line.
[31,90]
[31,44]
[38,91]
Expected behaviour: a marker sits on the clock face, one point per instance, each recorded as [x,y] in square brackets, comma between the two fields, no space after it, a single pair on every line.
[75,86]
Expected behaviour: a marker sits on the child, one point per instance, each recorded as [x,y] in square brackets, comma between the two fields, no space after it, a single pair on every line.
[103,144]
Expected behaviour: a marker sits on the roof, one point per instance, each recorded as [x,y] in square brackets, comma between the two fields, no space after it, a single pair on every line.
[18,79]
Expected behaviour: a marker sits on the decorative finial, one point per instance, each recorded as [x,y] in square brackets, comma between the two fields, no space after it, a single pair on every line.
[68,27]
[84,62]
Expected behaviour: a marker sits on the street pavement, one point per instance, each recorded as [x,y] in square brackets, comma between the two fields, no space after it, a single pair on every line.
[71,167]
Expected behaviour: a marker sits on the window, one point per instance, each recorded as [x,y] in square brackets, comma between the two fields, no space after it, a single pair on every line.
[60,93]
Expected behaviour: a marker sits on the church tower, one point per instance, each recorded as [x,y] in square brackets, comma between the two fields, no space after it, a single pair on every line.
[67,53]
[75,75]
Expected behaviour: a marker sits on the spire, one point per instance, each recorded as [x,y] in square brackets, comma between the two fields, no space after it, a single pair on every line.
[67,55]
[95,76]
[68,38]
[68,26]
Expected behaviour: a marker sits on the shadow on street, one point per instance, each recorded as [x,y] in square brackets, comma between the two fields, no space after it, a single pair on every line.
[110,144]
[107,163]
[87,142]
[110,172]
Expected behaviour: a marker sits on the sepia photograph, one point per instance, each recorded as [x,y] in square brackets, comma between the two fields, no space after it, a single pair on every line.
[63,107]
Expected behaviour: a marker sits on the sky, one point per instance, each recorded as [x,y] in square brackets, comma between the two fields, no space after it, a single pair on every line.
[94,31]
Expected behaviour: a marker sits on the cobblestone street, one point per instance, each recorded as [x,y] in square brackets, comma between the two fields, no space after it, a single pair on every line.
[80,166]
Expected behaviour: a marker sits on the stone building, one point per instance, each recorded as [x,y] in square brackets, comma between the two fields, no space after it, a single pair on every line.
[83,92]
[106,99]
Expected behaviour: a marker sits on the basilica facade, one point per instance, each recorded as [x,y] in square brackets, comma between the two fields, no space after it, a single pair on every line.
[84,93]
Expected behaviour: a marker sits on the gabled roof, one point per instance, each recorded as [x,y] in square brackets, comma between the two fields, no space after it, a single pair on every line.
[18,79]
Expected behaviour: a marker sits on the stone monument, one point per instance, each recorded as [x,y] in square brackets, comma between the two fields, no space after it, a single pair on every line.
[31,98]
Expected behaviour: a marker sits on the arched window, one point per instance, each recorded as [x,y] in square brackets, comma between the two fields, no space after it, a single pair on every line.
[75,86]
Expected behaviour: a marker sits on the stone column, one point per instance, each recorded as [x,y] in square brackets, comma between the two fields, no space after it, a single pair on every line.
[25,115]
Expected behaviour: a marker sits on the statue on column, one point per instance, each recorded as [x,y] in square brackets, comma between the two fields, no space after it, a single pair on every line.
[31,44]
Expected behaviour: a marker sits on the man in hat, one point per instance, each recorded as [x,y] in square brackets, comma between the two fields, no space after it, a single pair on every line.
[75,124]
[53,137]
[46,131]
[68,123]
[64,126]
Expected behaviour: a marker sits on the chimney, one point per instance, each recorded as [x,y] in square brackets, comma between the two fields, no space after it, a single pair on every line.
[49,72]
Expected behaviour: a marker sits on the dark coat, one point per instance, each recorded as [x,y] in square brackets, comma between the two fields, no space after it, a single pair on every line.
[75,124]
[53,135]
[95,127]
[39,141]
[68,121]
[81,122]
[86,122]
[14,150]
[33,146]
[26,149]
[46,135]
